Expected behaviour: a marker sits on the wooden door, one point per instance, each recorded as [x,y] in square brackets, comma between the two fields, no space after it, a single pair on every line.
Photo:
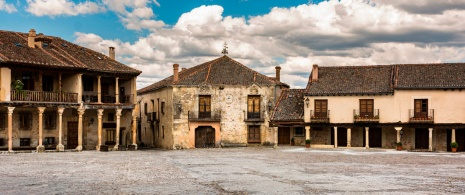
[204,137]
[254,134]
[374,137]
[421,138]
[72,135]
[321,108]
[421,108]
[366,108]
[284,135]
[341,137]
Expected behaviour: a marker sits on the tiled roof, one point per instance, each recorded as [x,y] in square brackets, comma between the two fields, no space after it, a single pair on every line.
[430,76]
[341,80]
[62,54]
[221,71]
[290,106]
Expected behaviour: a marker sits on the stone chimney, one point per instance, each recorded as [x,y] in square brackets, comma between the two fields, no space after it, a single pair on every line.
[112,53]
[315,72]
[31,40]
[278,73]
[175,72]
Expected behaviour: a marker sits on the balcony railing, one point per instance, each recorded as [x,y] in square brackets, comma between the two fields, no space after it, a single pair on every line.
[421,117]
[254,117]
[366,117]
[319,117]
[92,97]
[43,96]
[203,116]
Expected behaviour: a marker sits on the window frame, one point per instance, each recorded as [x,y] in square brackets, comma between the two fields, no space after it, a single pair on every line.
[205,109]
[320,109]
[25,121]
[253,106]
[50,120]
[364,105]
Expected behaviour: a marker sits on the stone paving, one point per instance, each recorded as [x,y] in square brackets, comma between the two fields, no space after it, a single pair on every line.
[251,170]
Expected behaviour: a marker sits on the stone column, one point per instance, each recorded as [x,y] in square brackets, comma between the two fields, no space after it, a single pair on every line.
[99,90]
[80,126]
[60,146]
[349,137]
[367,136]
[275,137]
[118,116]
[116,91]
[134,133]
[99,115]
[10,129]
[452,139]
[80,89]
[398,133]
[335,137]
[430,144]
[307,132]
[40,147]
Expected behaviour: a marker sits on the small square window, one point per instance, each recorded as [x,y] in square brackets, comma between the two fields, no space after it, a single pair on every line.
[111,117]
[49,141]
[25,121]
[299,132]
[25,142]
[50,120]
[2,142]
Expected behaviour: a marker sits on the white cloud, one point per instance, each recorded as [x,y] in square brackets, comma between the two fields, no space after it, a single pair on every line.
[135,14]
[10,8]
[62,7]
[331,33]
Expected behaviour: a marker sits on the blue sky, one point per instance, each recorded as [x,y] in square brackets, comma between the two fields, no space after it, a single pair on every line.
[151,35]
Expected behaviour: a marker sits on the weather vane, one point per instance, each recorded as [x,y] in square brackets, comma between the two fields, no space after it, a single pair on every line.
[225,49]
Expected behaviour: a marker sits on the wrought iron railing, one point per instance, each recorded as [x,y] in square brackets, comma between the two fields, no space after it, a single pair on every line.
[421,117]
[366,116]
[204,116]
[319,117]
[43,96]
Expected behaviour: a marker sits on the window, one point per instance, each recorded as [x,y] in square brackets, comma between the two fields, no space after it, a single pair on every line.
[204,106]
[253,106]
[50,120]
[110,137]
[299,132]
[88,83]
[163,132]
[145,108]
[47,83]
[2,142]
[2,121]
[24,141]
[25,121]
[421,108]
[163,107]
[366,107]
[28,81]
[49,141]
[321,108]
[111,117]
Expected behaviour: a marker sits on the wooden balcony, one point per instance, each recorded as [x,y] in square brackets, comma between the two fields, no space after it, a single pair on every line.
[367,117]
[319,117]
[43,96]
[421,117]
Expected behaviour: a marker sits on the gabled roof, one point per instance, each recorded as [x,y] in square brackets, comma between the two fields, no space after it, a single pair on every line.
[290,106]
[221,71]
[60,54]
[343,80]
[430,76]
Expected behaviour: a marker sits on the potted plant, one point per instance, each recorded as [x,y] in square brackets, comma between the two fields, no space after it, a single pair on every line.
[307,143]
[292,141]
[399,145]
[454,146]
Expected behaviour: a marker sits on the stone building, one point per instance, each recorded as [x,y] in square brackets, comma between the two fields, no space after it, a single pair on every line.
[217,103]
[420,105]
[59,95]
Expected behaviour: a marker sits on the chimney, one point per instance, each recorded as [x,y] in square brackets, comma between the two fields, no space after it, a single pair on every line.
[315,72]
[32,38]
[278,73]
[112,53]
[175,72]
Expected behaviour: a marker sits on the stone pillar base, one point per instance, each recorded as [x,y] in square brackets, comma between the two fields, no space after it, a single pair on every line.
[116,148]
[41,148]
[60,148]
[79,148]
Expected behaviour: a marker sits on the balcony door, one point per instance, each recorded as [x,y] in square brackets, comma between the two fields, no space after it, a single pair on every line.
[205,106]
[321,108]
[366,107]
[421,108]
[253,107]
[47,83]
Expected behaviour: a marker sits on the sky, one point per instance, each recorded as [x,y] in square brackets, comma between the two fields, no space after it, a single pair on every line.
[152,35]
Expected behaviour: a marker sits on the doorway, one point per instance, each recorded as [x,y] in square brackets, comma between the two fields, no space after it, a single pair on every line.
[205,137]
[284,135]
[72,135]
[254,134]
[421,138]
[341,136]
[374,137]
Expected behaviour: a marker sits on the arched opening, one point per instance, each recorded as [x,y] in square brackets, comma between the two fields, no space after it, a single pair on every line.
[205,137]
